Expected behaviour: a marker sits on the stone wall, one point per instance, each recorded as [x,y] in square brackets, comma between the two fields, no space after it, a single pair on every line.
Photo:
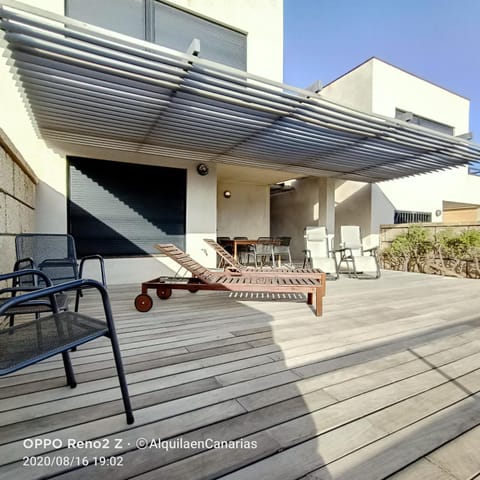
[17,200]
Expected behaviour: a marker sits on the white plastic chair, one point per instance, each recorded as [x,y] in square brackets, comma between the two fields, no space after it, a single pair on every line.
[359,262]
[317,251]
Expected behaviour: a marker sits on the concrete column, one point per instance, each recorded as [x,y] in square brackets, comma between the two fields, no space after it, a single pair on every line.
[326,203]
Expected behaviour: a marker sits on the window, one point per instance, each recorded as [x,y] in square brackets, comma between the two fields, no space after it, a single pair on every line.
[123,16]
[165,25]
[175,28]
[423,122]
[402,216]
[123,209]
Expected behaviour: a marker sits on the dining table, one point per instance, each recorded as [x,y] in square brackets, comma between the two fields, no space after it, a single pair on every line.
[234,243]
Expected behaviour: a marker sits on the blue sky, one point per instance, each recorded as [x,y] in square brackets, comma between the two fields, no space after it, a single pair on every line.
[438,40]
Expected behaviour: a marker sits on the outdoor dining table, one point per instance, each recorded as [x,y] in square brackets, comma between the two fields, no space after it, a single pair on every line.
[236,242]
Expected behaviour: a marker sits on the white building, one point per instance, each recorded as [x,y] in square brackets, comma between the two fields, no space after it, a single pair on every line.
[449,195]
[102,131]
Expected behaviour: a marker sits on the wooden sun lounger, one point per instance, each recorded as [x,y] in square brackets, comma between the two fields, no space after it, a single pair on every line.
[233,265]
[205,279]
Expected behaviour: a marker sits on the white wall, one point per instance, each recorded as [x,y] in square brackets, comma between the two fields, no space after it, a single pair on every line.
[378,87]
[354,89]
[262,19]
[394,88]
[428,192]
[246,213]
[353,207]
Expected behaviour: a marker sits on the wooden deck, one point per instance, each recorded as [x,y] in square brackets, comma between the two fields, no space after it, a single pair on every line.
[385,384]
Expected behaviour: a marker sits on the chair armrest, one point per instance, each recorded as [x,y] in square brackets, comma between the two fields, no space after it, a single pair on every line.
[52,290]
[15,290]
[373,249]
[25,272]
[99,259]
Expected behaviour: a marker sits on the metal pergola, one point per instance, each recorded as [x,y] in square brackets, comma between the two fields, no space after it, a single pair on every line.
[89,86]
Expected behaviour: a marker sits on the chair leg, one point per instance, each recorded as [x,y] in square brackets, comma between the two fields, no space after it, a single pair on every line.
[318,301]
[67,363]
[121,377]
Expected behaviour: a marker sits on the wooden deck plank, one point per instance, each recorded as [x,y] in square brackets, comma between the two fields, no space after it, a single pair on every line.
[460,457]
[390,360]
[390,454]
[424,470]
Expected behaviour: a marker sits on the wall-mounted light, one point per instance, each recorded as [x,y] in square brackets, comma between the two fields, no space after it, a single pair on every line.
[202,169]
[227,193]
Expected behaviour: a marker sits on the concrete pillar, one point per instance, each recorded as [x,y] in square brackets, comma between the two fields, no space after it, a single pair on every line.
[326,203]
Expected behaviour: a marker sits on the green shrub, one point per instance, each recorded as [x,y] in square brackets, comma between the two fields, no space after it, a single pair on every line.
[448,253]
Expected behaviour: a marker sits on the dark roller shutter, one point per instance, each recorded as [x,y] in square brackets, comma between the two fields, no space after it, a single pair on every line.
[118,209]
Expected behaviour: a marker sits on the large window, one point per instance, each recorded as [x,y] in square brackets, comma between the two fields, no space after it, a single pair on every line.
[175,28]
[165,25]
[123,209]
[123,16]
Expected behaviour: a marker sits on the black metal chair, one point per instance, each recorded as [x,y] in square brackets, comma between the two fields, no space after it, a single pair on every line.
[30,277]
[31,342]
[55,255]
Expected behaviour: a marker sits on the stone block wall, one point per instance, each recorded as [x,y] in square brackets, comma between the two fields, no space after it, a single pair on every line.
[17,200]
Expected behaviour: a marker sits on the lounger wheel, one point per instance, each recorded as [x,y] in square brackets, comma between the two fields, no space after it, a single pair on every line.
[143,302]
[193,289]
[163,293]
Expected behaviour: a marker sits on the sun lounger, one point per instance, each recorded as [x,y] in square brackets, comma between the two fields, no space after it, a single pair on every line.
[204,279]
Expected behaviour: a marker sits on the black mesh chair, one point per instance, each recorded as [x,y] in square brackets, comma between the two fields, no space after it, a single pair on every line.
[31,342]
[55,255]
[29,278]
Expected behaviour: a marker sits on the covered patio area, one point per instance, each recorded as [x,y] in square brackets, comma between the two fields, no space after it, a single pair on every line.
[384,384]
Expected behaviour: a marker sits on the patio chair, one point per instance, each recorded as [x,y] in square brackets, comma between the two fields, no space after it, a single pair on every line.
[37,306]
[205,279]
[359,262]
[317,251]
[242,250]
[55,255]
[226,242]
[261,251]
[31,342]
[234,265]
[281,248]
